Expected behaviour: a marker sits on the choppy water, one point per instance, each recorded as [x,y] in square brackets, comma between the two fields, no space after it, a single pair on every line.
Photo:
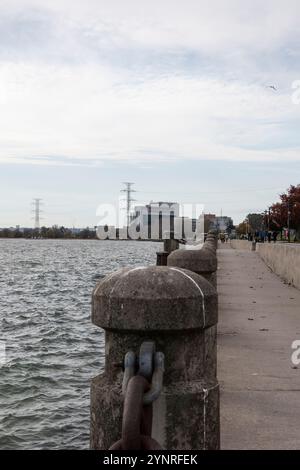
[52,349]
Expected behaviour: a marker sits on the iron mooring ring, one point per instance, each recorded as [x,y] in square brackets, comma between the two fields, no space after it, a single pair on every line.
[129,369]
[146,359]
[140,391]
[157,379]
[137,419]
[133,412]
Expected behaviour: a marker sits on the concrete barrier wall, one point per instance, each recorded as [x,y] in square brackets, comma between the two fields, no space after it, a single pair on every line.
[283,259]
[241,245]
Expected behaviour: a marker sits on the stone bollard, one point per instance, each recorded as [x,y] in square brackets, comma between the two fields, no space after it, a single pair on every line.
[162,258]
[170,244]
[253,245]
[210,245]
[178,310]
[201,261]
[212,238]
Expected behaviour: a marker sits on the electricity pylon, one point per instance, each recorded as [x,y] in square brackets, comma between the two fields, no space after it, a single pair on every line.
[37,211]
[128,190]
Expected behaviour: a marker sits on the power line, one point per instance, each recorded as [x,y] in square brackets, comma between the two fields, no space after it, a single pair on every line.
[216,192]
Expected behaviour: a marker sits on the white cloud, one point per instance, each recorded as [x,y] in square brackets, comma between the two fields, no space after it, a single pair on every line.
[145,81]
[198,24]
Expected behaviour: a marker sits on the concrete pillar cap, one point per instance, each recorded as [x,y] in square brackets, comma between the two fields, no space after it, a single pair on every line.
[203,260]
[154,298]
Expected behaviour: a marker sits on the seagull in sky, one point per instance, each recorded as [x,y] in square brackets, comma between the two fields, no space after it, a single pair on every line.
[273,87]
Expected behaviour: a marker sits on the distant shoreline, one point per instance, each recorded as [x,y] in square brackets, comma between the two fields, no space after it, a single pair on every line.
[87,239]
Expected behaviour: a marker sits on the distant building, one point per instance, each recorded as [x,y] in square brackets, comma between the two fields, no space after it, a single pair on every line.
[154,219]
[157,220]
[222,223]
[209,220]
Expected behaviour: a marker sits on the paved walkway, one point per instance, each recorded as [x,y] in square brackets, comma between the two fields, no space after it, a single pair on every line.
[259,318]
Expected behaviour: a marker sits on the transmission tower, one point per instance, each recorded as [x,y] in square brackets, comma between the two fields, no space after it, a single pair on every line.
[128,191]
[37,211]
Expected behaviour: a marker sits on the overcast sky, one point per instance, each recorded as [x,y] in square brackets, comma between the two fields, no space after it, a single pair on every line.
[173,95]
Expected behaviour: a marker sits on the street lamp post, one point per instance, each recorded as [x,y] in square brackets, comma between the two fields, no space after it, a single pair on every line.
[288,220]
[247,222]
[290,205]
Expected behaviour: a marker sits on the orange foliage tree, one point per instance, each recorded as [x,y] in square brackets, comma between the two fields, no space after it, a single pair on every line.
[287,211]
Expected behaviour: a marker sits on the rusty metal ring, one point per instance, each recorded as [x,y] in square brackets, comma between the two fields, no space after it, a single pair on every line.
[133,412]
[146,359]
[129,369]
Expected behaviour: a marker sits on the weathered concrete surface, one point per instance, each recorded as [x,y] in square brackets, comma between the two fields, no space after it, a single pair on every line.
[241,245]
[178,310]
[259,317]
[283,259]
[154,298]
[201,259]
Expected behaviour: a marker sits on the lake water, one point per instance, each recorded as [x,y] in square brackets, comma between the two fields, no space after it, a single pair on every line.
[52,348]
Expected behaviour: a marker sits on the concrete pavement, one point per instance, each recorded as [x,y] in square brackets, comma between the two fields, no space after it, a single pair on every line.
[259,318]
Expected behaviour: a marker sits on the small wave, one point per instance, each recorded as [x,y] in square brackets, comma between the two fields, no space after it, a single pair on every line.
[53,348]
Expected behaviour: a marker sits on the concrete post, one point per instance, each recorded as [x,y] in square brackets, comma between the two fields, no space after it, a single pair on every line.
[212,238]
[161,258]
[178,310]
[202,261]
[170,244]
[210,245]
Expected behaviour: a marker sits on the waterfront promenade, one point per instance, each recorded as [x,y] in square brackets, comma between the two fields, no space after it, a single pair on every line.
[259,318]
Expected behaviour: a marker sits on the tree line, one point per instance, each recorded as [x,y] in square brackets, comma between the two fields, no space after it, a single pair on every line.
[281,216]
[48,232]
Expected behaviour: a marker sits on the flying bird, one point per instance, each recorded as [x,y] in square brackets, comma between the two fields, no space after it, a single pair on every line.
[273,87]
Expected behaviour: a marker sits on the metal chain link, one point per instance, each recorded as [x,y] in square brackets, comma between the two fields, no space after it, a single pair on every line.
[140,391]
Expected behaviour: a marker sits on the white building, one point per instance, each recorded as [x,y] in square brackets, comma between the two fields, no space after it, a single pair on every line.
[157,220]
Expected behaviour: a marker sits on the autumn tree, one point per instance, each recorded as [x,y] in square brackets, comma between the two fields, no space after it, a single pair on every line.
[286,212]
